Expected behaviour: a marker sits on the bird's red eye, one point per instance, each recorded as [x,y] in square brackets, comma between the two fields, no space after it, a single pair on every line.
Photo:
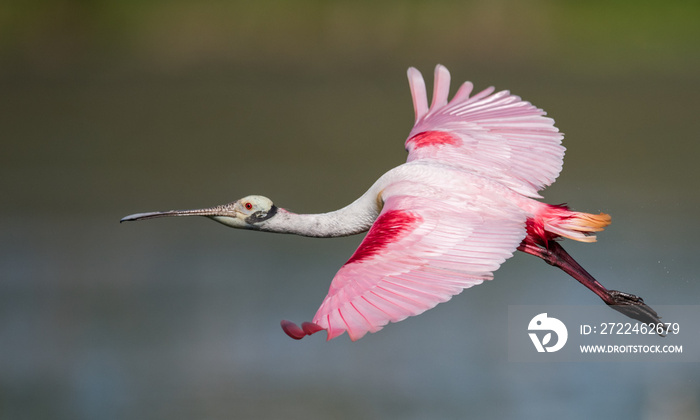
[248,206]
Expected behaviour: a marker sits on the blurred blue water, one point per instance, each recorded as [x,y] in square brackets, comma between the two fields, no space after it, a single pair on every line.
[130,323]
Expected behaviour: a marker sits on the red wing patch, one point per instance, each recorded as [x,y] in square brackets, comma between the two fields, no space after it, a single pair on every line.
[431,138]
[389,227]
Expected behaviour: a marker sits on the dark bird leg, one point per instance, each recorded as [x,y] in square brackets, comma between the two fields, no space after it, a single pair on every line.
[553,254]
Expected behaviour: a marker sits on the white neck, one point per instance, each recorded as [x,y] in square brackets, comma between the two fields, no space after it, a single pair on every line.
[355,218]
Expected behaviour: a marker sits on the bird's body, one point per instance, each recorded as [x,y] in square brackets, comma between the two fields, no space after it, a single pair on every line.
[435,182]
[417,254]
[461,205]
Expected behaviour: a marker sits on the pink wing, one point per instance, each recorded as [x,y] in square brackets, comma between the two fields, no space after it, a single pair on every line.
[426,247]
[496,135]
[416,255]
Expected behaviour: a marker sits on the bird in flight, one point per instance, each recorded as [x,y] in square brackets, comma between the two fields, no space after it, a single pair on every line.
[463,203]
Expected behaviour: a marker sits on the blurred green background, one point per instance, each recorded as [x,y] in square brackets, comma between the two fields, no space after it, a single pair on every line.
[109,108]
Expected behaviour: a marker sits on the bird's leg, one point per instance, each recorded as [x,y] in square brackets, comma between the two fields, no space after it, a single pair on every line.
[554,254]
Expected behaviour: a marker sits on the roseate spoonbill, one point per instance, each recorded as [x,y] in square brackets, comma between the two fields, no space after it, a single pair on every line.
[461,205]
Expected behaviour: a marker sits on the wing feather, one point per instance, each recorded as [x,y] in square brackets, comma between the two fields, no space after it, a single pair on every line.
[442,253]
[497,135]
[434,239]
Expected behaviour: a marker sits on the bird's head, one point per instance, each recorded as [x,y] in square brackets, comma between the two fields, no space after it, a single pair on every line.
[249,212]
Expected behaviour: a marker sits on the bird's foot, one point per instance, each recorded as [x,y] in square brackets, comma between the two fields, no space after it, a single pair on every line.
[635,308]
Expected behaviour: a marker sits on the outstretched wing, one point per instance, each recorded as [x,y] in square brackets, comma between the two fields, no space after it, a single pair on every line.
[426,246]
[419,252]
[495,135]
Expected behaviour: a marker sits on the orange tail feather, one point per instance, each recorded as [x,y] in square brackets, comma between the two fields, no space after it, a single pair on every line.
[560,221]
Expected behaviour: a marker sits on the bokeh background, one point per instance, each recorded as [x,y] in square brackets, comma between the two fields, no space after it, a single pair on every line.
[113,107]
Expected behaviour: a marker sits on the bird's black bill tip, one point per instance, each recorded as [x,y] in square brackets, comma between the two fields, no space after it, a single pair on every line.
[142,216]
[129,218]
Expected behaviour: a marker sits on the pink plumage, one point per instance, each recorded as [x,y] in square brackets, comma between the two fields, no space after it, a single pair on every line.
[473,161]
[445,220]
